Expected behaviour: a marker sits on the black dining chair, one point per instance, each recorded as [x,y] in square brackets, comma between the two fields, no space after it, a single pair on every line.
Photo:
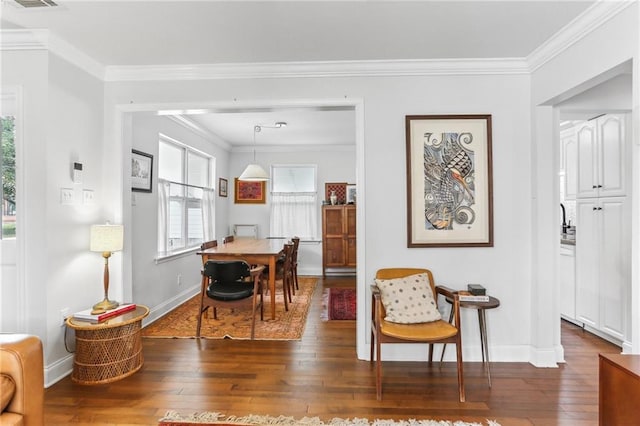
[226,285]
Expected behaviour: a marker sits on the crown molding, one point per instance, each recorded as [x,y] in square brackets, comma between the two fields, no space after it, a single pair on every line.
[192,126]
[24,39]
[592,18]
[318,69]
[75,56]
[295,148]
[43,40]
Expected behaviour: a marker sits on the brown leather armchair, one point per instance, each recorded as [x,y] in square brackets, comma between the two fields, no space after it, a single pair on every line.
[21,358]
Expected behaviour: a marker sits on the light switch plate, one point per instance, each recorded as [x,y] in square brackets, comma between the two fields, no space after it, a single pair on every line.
[67,196]
[87,197]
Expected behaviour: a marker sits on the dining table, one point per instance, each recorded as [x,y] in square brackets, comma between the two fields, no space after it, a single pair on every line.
[254,251]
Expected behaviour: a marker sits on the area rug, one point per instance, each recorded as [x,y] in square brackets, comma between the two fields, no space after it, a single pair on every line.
[339,304]
[236,324]
[172,418]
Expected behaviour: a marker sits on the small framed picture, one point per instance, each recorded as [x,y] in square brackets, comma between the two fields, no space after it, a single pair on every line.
[222,187]
[351,194]
[247,192]
[141,171]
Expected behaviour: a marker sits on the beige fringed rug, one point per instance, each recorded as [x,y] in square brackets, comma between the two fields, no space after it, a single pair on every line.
[172,418]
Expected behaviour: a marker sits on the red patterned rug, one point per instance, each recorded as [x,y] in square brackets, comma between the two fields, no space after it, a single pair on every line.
[339,304]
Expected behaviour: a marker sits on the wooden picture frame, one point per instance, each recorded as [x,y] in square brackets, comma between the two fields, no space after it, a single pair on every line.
[141,171]
[223,186]
[250,192]
[340,189]
[449,181]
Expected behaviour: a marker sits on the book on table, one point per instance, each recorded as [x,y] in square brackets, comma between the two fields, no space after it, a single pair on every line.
[465,296]
[86,315]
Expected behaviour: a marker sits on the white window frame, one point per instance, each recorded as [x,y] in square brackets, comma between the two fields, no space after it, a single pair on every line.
[186,200]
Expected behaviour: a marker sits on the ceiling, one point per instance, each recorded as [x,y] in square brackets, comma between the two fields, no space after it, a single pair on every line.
[152,33]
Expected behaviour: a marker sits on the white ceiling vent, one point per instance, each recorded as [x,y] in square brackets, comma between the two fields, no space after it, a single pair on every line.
[36,3]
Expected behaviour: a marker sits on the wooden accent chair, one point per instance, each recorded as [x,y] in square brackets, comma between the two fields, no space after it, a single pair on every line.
[226,286]
[437,331]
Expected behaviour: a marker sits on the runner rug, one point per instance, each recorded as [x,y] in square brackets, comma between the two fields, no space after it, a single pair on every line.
[173,418]
[339,304]
[236,324]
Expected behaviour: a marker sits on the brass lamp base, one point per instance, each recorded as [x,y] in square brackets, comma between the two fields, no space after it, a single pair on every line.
[105,305]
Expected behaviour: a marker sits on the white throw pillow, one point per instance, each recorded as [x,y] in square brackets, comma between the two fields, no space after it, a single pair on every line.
[408,300]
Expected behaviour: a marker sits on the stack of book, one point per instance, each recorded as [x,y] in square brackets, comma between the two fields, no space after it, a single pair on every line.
[476,293]
[86,315]
[465,296]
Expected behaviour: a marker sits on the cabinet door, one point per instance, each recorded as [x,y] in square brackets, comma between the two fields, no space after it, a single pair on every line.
[333,236]
[612,170]
[587,261]
[587,160]
[614,266]
[570,144]
[567,281]
[350,235]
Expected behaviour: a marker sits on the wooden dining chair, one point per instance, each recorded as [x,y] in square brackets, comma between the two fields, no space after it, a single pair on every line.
[396,317]
[294,264]
[284,274]
[226,286]
[227,239]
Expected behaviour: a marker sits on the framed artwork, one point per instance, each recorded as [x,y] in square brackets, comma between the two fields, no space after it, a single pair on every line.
[141,171]
[250,192]
[222,187]
[340,189]
[449,181]
[351,194]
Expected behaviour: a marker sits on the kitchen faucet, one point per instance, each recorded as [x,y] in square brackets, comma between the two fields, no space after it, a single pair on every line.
[564,219]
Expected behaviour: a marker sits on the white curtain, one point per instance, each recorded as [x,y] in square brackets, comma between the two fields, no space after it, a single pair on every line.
[208,214]
[294,214]
[163,215]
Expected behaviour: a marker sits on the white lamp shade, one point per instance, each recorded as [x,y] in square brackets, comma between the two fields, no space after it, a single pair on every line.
[254,172]
[106,238]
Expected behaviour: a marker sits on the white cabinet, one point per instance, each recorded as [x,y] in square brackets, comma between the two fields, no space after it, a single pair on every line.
[569,164]
[603,264]
[567,281]
[601,153]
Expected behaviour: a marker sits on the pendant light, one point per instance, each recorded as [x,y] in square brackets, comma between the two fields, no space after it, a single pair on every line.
[254,172]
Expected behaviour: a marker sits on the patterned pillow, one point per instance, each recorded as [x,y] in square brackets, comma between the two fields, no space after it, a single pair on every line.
[408,300]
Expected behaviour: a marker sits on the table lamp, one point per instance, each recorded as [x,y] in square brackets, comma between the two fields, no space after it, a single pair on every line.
[106,239]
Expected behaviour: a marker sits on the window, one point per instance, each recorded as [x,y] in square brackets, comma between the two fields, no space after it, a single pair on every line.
[186,197]
[8,175]
[294,210]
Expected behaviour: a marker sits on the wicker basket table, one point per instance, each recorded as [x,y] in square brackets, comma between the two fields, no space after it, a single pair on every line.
[110,350]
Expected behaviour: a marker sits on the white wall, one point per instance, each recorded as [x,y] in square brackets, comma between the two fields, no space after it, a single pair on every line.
[156,284]
[386,101]
[578,67]
[63,123]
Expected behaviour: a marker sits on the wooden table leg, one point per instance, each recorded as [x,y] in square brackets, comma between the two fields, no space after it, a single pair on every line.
[272,285]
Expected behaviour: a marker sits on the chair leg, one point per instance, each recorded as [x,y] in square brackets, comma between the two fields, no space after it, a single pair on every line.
[378,371]
[460,371]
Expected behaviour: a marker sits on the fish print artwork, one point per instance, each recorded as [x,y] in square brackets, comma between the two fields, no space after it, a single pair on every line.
[449,190]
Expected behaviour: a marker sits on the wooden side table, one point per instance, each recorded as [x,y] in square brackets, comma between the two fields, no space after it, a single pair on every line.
[481,307]
[619,389]
[110,350]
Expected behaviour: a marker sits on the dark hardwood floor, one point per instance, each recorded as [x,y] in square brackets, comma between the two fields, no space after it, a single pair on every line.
[320,376]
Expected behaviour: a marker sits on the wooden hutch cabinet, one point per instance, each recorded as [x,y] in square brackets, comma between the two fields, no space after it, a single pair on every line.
[338,237]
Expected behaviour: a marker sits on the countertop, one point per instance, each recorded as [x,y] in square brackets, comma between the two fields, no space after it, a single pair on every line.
[569,239]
